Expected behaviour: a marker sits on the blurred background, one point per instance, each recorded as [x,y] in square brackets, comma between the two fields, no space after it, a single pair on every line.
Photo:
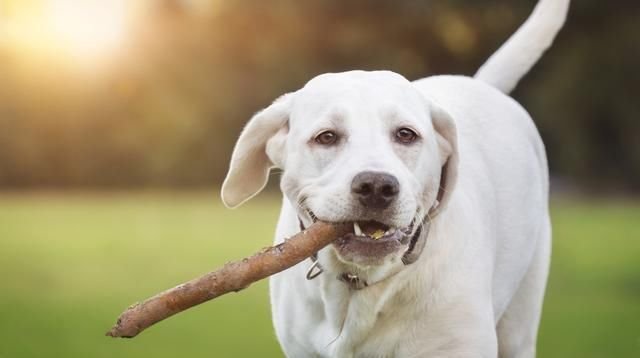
[117,119]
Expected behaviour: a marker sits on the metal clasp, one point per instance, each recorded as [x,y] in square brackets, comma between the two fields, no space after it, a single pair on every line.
[314,271]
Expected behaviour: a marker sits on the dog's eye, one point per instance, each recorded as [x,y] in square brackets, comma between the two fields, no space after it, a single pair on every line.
[326,138]
[406,135]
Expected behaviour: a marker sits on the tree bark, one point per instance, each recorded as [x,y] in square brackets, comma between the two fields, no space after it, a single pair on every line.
[232,277]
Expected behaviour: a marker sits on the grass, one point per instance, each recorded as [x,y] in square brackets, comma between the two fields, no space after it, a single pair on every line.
[71,263]
[592,307]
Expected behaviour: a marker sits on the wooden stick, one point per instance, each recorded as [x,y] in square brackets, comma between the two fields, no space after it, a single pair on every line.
[232,277]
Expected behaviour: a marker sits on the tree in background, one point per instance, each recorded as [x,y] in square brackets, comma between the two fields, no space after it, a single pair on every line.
[166,108]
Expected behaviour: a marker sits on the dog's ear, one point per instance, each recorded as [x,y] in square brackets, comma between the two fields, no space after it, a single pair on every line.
[447,138]
[259,148]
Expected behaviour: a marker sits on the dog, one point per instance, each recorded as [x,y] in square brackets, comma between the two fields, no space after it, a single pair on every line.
[445,181]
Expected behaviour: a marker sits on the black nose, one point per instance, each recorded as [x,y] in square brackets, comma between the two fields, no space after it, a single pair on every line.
[375,190]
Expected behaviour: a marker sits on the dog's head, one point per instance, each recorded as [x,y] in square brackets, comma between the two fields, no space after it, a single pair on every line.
[361,147]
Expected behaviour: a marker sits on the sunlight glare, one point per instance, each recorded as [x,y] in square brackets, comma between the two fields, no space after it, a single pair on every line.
[87,28]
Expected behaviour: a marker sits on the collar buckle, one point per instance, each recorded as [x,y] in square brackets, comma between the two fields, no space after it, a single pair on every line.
[315,270]
[353,281]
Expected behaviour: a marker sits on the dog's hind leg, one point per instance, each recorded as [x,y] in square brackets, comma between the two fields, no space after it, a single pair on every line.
[518,327]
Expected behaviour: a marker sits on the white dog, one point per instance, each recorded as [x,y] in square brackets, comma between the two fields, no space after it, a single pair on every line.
[445,181]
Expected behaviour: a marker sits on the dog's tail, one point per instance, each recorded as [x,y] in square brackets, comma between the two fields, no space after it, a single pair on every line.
[524,48]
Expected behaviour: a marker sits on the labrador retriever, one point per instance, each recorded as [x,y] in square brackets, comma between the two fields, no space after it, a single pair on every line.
[445,181]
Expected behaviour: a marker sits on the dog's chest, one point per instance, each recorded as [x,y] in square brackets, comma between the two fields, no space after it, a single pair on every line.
[367,323]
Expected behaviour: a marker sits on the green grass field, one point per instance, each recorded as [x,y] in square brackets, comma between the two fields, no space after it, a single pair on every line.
[71,263]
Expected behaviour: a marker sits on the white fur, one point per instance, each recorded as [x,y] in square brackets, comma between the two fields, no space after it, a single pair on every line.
[477,289]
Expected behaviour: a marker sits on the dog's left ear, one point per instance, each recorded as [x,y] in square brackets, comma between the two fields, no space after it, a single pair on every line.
[259,148]
[447,138]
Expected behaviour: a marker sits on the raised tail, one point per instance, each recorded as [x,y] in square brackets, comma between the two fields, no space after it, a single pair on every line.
[524,48]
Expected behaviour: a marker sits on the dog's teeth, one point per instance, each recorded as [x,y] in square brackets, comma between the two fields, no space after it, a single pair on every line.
[356,229]
[390,231]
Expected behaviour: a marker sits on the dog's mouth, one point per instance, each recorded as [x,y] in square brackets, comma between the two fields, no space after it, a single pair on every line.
[371,242]
[378,232]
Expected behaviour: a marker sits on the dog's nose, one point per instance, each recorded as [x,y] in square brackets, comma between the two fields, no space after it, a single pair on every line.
[375,190]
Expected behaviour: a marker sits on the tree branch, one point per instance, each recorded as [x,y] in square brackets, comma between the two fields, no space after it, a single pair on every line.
[232,277]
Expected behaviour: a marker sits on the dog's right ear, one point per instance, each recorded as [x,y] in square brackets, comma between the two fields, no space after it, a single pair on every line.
[259,148]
